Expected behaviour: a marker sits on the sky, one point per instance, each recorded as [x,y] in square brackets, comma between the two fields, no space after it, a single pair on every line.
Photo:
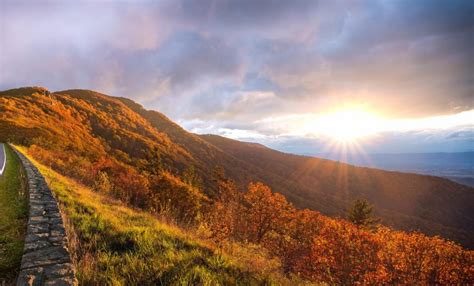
[299,76]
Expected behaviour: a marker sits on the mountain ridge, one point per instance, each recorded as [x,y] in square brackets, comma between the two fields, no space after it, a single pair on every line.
[123,129]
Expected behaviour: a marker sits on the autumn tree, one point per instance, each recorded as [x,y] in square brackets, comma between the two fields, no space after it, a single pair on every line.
[414,258]
[341,254]
[264,212]
[224,215]
[293,240]
[361,214]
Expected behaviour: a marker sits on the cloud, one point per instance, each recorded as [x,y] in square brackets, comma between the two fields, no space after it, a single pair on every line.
[230,64]
[397,57]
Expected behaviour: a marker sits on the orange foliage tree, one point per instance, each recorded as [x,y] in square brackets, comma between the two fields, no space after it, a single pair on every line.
[264,212]
[223,216]
[341,254]
[321,249]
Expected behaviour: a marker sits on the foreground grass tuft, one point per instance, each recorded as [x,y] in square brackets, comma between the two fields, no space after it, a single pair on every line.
[116,245]
[13,216]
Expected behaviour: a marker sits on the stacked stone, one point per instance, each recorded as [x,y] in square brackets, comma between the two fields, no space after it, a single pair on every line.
[46,259]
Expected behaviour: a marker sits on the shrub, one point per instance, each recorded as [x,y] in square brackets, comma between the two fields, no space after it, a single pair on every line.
[102,183]
[170,194]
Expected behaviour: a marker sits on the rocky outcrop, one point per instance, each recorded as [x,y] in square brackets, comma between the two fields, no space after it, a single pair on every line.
[46,259]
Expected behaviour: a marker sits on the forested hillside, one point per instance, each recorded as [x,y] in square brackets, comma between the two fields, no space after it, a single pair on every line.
[406,201]
[225,192]
[83,132]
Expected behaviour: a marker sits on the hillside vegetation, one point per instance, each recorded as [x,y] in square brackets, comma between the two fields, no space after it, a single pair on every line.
[231,198]
[81,132]
[116,245]
[433,205]
[255,238]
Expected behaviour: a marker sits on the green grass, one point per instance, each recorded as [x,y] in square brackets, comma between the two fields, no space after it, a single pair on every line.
[116,245]
[13,217]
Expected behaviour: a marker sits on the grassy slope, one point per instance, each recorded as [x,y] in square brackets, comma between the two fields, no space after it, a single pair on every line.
[13,215]
[116,245]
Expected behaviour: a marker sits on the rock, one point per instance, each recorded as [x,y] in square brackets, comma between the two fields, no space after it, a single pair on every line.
[59,270]
[60,282]
[39,228]
[46,259]
[32,246]
[45,256]
[37,219]
[33,277]
[34,237]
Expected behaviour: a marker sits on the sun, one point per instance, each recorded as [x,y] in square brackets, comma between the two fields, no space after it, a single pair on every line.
[347,125]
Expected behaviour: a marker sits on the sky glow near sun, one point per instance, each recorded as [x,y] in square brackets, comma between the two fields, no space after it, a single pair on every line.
[358,124]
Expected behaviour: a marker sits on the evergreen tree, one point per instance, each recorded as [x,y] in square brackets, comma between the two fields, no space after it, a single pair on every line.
[361,214]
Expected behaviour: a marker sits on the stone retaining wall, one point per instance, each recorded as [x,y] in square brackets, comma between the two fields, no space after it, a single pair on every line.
[46,259]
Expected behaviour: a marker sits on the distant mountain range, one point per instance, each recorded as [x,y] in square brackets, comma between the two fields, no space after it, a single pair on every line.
[81,127]
[456,166]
